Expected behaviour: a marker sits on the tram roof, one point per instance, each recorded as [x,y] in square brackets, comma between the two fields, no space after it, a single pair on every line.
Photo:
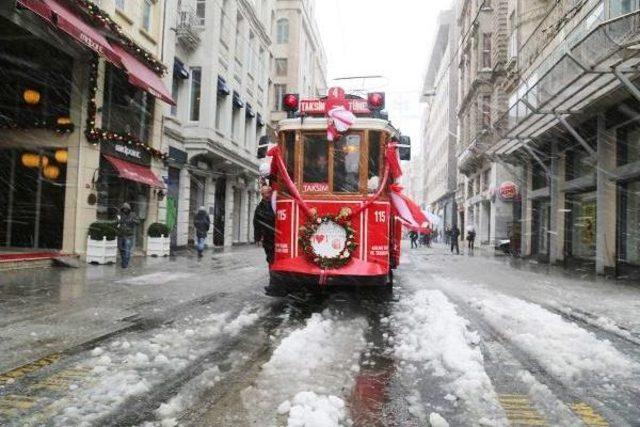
[320,123]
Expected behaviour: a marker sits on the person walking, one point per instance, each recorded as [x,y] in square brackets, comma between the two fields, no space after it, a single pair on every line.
[455,235]
[126,226]
[264,223]
[447,235]
[202,223]
[471,239]
[413,236]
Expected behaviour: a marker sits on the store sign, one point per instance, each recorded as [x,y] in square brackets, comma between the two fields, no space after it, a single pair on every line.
[126,152]
[508,191]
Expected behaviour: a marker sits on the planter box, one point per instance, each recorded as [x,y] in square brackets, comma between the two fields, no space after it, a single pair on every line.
[102,251]
[158,246]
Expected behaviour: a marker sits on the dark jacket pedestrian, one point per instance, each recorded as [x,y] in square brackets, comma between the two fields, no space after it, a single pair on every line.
[126,225]
[471,238]
[413,236]
[264,223]
[455,235]
[202,223]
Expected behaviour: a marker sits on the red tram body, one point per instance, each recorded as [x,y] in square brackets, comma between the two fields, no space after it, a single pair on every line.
[336,221]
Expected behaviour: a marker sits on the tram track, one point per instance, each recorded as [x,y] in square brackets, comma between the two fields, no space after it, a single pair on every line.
[613,411]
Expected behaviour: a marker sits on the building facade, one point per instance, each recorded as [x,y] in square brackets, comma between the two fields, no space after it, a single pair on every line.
[572,124]
[439,127]
[482,58]
[299,60]
[220,55]
[80,132]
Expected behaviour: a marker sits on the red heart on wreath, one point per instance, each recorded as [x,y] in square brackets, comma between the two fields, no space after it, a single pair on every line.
[319,238]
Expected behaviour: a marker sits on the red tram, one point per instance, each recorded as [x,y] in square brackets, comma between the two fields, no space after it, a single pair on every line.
[339,212]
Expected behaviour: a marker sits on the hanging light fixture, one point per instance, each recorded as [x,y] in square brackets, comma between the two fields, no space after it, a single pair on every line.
[61,156]
[32,160]
[51,172]
[31,96]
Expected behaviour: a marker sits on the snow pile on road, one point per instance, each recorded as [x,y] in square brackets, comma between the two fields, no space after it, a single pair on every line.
[306,374]
[434,337]
[563,348]
[127,368]
[311,410]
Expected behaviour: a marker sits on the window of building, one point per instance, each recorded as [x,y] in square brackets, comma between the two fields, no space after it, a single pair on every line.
[278,91]
[628,150]
[316,159]
[486,111]
[175,90]
[224,24]
[346,164]
[486,4]
[621,7]
[239,41]
[486,177]
[282,31]
[281,66]
[248,129]
[538,176]
[220,110]
[235,124]
[486,50]
[629,224]
[147,15]
[578,163]
[120,4]
[126,108]
[196,87]
[201,11]
[261,68]
[251,56]
[469,188]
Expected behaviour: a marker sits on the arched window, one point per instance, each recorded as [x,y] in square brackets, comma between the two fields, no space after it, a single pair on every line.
[282,31]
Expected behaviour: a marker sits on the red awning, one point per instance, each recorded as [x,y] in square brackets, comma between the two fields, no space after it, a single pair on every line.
[67,20]
[133,172]
[142,76]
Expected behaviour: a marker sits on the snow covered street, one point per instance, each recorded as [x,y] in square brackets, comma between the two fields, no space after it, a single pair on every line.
[464,341]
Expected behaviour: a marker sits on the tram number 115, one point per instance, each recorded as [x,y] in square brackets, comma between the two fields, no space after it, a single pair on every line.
[381,216]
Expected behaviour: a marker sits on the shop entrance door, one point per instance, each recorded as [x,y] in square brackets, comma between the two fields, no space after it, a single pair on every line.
[173,192]
[541,214]
[32,192]
[219,212]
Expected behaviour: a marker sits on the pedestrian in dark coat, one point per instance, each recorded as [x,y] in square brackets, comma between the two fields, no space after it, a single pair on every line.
[202,223]
[126,225]
[413,236]
[455,235]
[264,223]
[471,239]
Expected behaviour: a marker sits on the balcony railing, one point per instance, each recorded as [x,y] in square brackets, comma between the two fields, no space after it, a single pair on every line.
[188,28]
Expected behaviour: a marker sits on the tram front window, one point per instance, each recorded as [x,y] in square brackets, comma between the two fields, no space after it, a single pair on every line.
[316,159]
[346,169]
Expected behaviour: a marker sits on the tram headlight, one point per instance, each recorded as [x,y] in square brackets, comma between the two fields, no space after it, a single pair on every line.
[290,102]
[375,101]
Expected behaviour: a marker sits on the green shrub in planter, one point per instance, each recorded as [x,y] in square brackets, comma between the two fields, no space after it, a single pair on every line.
[158,229]
[98,230]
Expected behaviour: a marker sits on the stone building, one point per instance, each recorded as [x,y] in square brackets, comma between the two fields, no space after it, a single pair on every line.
[440,122]
[482,57]
[80,119]
[220,55]
[299,60]
[573,125]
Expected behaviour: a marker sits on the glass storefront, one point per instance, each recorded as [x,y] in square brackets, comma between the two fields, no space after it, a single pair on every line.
[581,225]
[629,224]
[541,213]
[32,193]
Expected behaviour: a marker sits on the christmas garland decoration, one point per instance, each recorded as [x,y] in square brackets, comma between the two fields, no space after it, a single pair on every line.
[47,123]
[97,135]
[307,232]
[102,18]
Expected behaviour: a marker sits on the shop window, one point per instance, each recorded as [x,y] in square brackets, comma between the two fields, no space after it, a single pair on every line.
[35,86]
[629,224]
[126,108]
[290,153]
[346,164]
[628,149]
[196,87]
[538,176]
[582,225]
[316,159]
[579,163]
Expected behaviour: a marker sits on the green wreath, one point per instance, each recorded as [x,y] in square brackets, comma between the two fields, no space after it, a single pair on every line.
[307,231]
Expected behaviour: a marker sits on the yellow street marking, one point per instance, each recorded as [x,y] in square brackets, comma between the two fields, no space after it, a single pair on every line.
[28,368]
[588,415]
[520,411]
[63,379]
[14,401]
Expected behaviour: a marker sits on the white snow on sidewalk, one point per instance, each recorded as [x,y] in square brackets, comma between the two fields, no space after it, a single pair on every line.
[307,374]
[158,278]
[433,337]
[563,348]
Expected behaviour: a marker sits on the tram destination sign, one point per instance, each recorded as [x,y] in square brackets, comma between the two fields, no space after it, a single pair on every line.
[126,152]
[316,107]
